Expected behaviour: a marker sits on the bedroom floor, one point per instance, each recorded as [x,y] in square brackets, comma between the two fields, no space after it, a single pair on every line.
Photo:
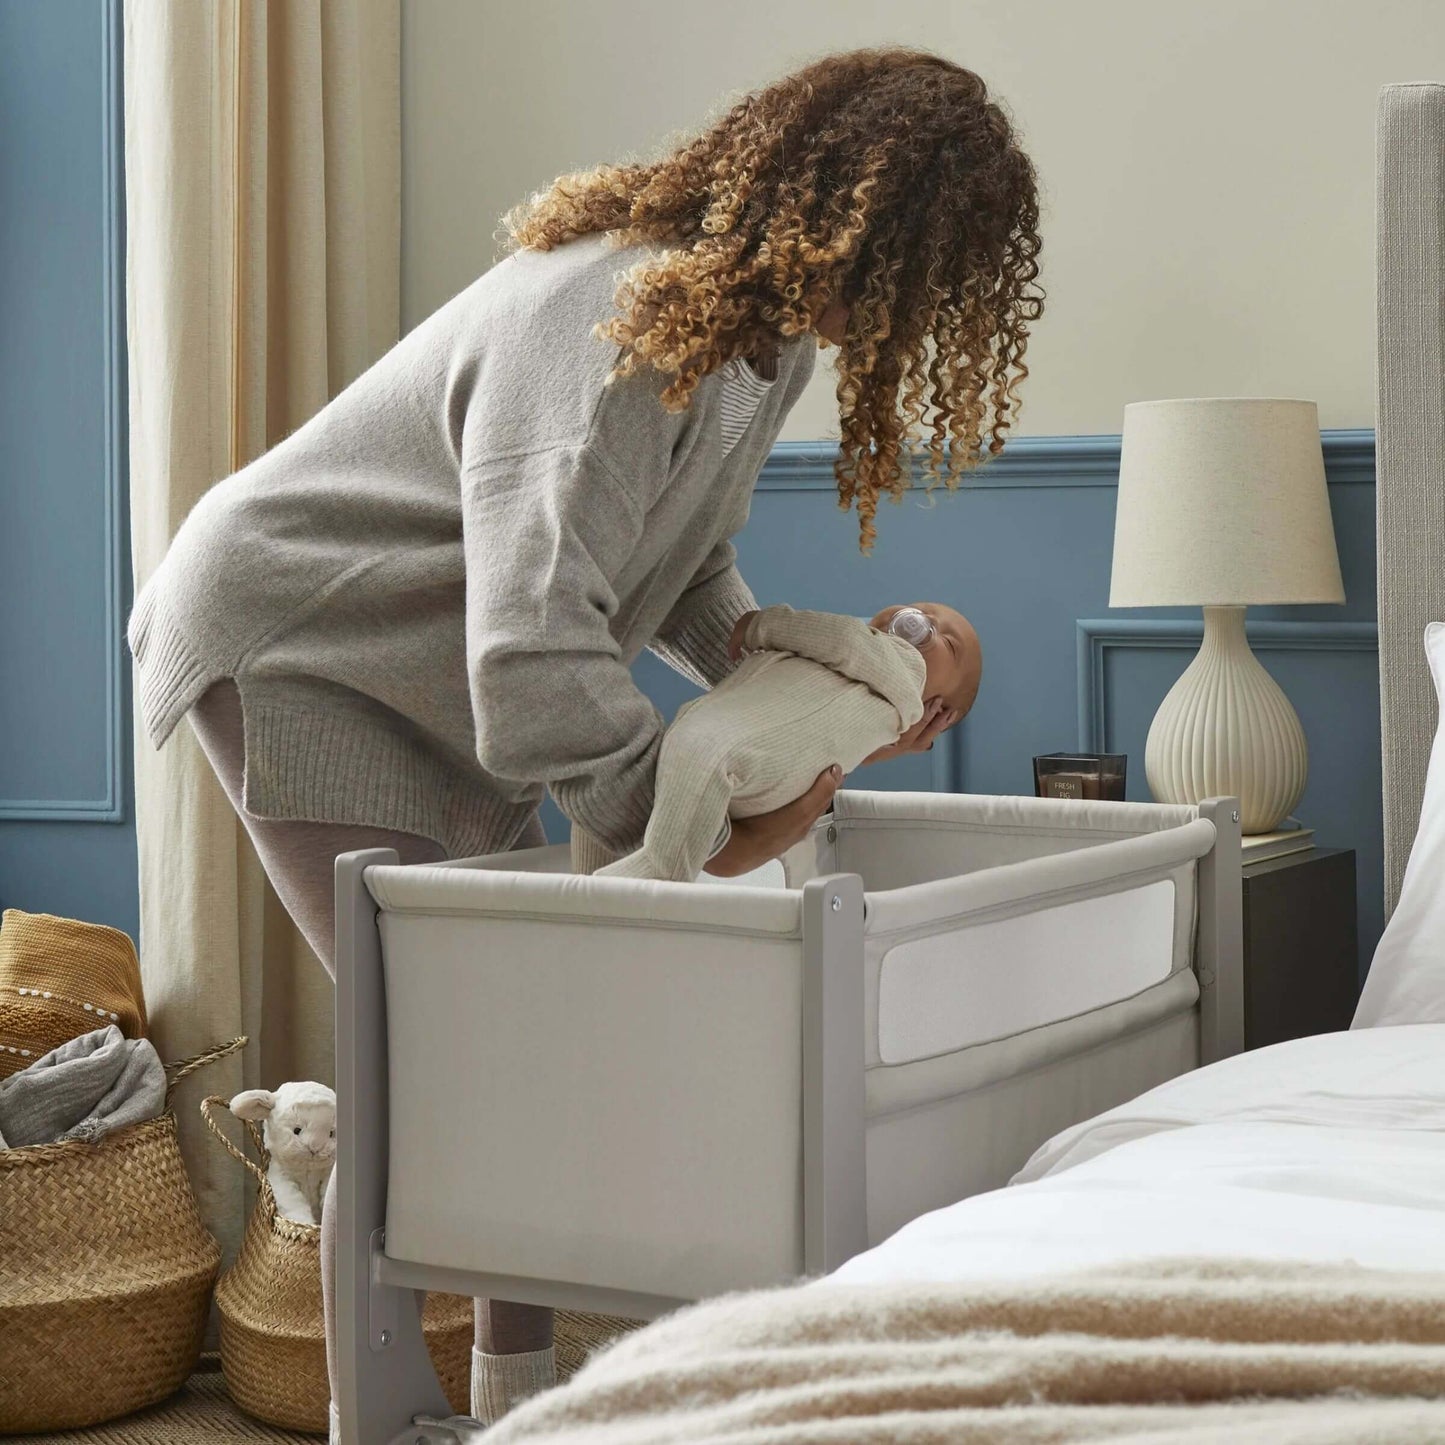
[199,1413]
[202,1413]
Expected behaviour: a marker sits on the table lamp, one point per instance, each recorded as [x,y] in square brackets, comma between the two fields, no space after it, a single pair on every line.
[1222,504]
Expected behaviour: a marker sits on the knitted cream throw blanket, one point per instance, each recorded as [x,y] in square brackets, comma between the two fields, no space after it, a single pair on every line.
[1184,1351]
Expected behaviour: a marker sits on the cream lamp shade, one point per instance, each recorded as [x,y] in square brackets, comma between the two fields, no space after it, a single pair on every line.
[1222,500]
[1222,504]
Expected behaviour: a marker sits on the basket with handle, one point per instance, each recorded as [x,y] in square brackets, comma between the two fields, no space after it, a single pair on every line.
[105,1272]
[273,1340]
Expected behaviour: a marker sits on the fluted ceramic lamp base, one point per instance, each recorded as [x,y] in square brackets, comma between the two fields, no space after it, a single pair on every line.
[1227,730]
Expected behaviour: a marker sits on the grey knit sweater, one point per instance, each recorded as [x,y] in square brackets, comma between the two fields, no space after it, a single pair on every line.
[431,593]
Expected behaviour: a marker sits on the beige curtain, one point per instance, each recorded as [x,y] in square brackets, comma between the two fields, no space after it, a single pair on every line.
[262,275]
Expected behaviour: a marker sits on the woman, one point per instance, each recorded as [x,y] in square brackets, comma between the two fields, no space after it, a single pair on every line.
[425,602]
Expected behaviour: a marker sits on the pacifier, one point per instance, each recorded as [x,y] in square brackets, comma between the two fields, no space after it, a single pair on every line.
[912,626]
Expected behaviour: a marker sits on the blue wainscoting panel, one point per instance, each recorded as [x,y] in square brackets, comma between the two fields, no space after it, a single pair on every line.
[66,843]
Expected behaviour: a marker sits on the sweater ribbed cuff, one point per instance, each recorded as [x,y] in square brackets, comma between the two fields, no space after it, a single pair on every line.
[169,676]
[698,633]
[588,855]
[615,817]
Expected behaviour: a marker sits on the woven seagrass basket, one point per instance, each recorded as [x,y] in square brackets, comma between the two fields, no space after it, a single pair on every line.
[273,1339]
[105,1273]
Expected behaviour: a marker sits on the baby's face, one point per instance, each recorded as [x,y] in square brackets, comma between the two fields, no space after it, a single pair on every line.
[953,657]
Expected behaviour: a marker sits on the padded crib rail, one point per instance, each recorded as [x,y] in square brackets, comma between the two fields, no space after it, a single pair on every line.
[558,897]
[895,840]
[1006,813]
[998,967]
[1040,882]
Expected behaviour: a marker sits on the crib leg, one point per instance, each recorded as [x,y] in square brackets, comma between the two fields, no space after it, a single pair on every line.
[1221,936]
[835,1168]
[384,1373]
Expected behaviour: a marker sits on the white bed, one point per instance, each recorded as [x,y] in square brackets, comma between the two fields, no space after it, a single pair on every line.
[1325,1149]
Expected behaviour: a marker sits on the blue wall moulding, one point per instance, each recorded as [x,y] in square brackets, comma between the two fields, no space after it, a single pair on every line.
[1052,461]
[62,409]
[1098,638]
[1056,461]
[66,840]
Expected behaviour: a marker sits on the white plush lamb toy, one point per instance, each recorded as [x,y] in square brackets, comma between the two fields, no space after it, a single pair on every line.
[299,1130]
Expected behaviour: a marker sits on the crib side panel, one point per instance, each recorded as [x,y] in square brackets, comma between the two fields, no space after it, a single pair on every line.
[955,964]
[606,1103]
[995,979]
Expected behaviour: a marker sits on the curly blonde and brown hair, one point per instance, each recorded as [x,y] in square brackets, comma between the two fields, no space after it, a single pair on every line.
[886,179]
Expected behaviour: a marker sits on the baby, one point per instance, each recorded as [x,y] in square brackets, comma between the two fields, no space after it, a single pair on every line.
[813,689]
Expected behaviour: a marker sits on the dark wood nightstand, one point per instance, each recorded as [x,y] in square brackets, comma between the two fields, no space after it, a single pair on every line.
[1300,955]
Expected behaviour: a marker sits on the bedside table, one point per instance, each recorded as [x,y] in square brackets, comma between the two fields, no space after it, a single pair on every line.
[1300,955]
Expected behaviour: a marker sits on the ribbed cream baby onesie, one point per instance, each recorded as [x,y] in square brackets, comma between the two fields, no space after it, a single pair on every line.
[816,689]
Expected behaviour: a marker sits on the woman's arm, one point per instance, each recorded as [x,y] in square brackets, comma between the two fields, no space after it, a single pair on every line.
[545,534]
[693,639]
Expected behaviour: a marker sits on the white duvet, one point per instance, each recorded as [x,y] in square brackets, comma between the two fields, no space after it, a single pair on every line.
[1329,1148]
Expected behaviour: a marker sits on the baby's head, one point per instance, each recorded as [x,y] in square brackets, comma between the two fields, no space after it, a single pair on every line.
[952,656]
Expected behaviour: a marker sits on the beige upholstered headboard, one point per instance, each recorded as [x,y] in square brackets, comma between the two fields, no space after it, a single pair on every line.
[1409,443]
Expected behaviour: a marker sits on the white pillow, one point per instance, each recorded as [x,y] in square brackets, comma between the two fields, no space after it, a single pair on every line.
[1406,983]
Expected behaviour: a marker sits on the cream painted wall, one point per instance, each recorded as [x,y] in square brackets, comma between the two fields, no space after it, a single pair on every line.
[1208,168]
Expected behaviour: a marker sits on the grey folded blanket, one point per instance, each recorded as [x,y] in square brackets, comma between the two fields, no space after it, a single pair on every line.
[84,1089]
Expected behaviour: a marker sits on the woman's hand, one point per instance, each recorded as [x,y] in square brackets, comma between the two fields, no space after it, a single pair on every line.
[919,738]
[740,627]
[755,841]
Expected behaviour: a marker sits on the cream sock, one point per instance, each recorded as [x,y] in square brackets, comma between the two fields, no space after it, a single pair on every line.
[334,1434]
[501,1381]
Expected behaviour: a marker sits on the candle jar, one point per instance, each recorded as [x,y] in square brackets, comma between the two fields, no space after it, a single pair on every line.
[1080,775]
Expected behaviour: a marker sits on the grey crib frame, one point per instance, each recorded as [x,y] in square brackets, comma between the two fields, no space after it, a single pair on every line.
[384,1372]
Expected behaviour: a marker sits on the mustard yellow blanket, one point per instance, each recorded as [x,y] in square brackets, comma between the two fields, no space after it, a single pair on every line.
[1184,1351]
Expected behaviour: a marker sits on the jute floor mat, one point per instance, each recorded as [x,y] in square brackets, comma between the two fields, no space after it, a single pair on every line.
[201,1412]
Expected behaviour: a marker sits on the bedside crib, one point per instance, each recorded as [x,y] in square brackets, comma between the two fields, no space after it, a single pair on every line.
[619,1095]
